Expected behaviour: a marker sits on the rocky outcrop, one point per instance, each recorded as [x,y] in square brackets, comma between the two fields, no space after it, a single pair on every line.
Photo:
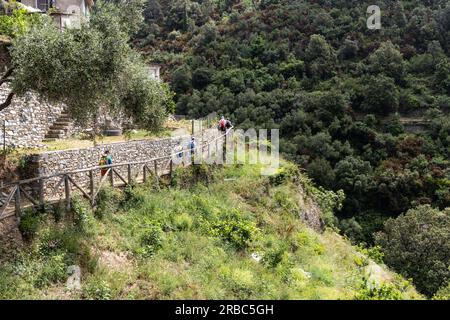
[310,212]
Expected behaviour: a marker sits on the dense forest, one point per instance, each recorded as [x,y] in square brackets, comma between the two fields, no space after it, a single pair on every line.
[339,93]
[363,111]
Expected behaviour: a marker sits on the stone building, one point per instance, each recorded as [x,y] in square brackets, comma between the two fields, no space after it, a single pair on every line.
[155,71]
[65,13]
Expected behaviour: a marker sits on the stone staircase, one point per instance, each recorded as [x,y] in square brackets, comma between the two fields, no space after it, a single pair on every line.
[59,128]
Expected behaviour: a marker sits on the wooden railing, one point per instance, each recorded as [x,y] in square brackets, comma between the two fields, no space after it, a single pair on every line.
[31,192]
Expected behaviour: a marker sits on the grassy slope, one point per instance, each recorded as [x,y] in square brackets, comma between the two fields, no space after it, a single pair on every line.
[175,243]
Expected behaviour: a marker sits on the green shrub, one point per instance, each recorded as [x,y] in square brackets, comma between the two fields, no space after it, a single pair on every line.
[96,289]
[133,197]
[58,210]
[274,256]
[375,253]
[288,172]
[183,221]
[329,202]
[421,232]
[443,293]
[17,23]
[82,215]
[151,240]
[108,201]
[53,270]
[186,178]
[285,200]
[383,291]
[29,224]
[50,241]
[321,274]
[235,230]
[242,282]
[55,240]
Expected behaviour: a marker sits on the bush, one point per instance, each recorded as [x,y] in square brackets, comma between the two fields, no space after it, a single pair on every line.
[183,221]
[384,291]
[443,293]
[133,197]
[375,253]
[235,230]
[274,256]
[108,200]
[417,245]
[29,225]
[18,23]
[151,239]
[53,270]
[81,215]
[96,289]
[288,172]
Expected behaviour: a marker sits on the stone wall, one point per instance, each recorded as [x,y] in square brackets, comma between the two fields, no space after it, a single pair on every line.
[53,162]
[27,119]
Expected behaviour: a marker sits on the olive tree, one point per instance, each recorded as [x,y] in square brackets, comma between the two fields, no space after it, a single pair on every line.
[90,67]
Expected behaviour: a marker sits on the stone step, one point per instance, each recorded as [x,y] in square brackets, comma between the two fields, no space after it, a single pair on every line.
[50,139]
[62,123]
[59,127]
[65,119]
[56,131]
[53,135]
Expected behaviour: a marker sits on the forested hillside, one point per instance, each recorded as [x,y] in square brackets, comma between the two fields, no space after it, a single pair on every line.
[342,95]
[336,90]
[213,233]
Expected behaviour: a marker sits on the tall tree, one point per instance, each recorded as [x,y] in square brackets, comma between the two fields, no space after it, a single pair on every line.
[91,67]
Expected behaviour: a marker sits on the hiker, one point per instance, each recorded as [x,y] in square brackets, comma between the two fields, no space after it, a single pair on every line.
[228,125]
[222,124]
[192,145]
[105,160]
[179,151]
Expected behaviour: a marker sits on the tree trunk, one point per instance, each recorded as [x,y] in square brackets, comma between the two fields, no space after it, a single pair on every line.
[6,78]
[8,101]
[94,129]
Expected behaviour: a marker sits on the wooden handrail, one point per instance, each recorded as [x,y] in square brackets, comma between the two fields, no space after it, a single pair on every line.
[91,194]
[112,166]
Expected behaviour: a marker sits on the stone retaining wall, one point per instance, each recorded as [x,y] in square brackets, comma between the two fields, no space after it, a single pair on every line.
[133,151]
[27,119]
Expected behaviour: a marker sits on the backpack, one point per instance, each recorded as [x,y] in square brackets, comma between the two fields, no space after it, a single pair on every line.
[102,162]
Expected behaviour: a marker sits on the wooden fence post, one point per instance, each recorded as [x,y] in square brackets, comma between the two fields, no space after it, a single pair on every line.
[92,186]
[156,172]
[41,194]
[17,202]
[111,177]
[67,191]
[171,169]
[130,179]
[145,173]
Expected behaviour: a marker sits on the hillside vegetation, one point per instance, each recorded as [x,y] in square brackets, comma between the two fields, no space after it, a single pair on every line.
[339,93]
[363,111]
[195,238]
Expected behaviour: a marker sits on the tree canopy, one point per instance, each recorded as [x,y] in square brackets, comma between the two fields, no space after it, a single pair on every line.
[91,67]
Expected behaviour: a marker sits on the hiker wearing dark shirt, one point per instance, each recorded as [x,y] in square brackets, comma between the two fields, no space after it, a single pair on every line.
[192,145]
